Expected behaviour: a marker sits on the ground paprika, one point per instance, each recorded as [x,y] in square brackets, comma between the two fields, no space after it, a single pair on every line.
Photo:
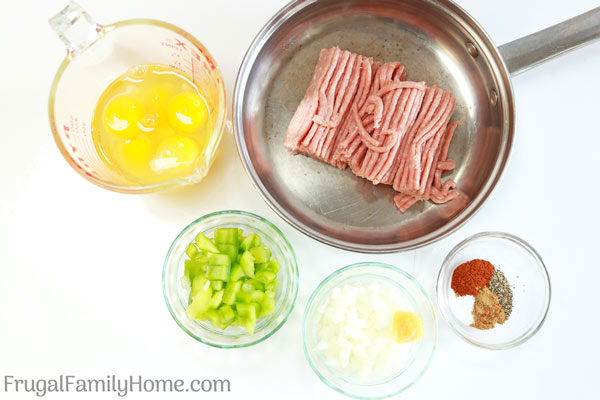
[471,276]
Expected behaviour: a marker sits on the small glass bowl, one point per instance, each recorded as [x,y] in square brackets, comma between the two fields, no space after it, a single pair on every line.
[525,272]
[176,294]
[421,351]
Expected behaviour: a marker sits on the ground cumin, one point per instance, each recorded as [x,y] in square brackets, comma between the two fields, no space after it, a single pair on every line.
[487,311]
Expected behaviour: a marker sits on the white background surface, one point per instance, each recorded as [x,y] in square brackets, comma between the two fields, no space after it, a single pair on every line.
[80,283]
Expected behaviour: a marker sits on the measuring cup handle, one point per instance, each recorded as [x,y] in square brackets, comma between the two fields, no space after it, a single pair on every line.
[76,28]
[529,51]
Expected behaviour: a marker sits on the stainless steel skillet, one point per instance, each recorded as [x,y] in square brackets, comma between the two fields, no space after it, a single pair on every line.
[439,43]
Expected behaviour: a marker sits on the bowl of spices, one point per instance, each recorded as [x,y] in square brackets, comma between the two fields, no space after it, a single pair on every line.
[494,290]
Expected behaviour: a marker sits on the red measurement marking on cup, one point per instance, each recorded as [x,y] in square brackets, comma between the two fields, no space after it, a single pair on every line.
[193,76]
[202,57]
[90,173]
[207,59]
[69,144]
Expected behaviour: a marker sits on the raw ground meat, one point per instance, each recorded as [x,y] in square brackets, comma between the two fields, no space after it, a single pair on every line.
[361,114]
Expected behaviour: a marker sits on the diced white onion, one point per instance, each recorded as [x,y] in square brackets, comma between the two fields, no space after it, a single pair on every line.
[356,334]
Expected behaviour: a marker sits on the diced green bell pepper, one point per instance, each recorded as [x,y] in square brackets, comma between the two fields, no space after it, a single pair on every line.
[252,240]
[231,291]
[218,259]
[193,268]
[199,305]
[248,311]
[261,254]
[192,251]
[247,287]
[216,318]
[252,296]
[274,265]
[218,272]
[216,299]
[244,323]
[205,244]
[247,263]
[265,276]
[228,314]
[246,243]
[260,267]
[256,284]
[237,273]
[256,296]
[229,249]
[271,286]
[200,283]
[227,236]
[267,307]
[196,310]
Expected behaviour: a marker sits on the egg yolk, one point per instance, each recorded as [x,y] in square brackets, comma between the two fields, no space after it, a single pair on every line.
[137,152]
[187,112]
[122,114]
[175,153]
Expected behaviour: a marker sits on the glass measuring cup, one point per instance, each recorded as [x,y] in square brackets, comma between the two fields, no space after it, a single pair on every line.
[96,56]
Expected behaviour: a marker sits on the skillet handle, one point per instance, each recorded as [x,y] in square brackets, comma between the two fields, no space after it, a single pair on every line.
[529,51]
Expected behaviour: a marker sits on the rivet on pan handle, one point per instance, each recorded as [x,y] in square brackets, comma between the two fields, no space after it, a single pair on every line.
[529,51]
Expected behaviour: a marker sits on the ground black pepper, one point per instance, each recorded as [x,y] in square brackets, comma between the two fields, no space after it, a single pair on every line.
[501,288]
